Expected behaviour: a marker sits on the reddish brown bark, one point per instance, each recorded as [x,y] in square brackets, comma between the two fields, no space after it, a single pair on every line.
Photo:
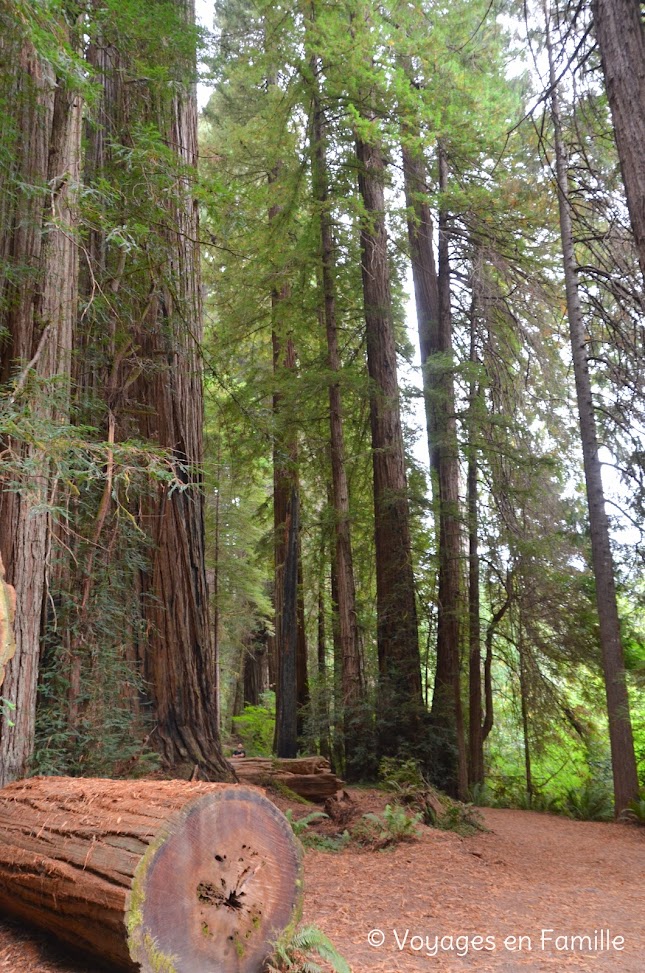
[351,674]
[38,317]
[621,39]
[620,728]
[105,865]
[400,705]
[446,711]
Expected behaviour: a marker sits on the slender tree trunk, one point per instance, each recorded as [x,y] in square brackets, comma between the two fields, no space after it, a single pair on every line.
[286,520]
[353,688]
[498,615]
[426,287]
[324,716]
[400,704]
[255,667]
[446,712]
[476,739]
[620,727]
[621,39]
[39,322]
[524,704]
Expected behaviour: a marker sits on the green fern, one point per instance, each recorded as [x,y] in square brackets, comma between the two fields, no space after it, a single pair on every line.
[383,830]
[291,953]
[635,810]
[300,825]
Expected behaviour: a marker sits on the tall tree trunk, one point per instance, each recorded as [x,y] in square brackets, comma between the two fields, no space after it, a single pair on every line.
[353,688]
[524,705]
[324,716]
[39,320]
[620,727]
[400,702]
[179,659]
[621,39]
[476,738]
[426,287]
[286,525]
[446,712]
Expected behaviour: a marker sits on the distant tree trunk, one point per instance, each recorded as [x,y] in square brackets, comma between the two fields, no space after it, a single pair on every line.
[446,712]
[621,39]
[620,727]
[256,673]
[476,739]
[302,675]
[498,615]
[400,702]
[324,716]
[38,320]
[352,674]
[524,705]
[426,287]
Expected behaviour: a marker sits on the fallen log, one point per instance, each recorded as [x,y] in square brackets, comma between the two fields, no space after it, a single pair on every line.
[309,777]
[157,876]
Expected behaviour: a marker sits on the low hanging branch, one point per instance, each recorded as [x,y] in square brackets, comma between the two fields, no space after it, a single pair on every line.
[157,876]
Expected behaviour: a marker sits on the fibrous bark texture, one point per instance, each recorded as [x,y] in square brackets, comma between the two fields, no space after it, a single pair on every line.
[39,300]
[150,875]
[400,699]
[621,39]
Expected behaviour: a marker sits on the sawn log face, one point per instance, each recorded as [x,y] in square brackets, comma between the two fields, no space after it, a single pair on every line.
[165,876]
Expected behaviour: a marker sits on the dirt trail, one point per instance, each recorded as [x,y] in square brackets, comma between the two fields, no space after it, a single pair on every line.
[530,872]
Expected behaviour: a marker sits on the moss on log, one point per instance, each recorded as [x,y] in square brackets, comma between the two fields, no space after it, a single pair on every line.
[161,876]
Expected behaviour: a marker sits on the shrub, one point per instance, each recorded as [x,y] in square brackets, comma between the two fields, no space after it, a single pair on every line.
[256,727]
[591,802]
[379,831]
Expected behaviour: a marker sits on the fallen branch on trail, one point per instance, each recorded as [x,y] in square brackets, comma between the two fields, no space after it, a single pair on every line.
[309,777]
[157,876]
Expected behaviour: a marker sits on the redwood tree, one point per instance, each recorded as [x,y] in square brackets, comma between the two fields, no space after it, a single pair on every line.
[621,39]
[39,297]
[620,729]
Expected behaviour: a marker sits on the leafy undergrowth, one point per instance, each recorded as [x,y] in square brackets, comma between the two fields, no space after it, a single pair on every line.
[302,949]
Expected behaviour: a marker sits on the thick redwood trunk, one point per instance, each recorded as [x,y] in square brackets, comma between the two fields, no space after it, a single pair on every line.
[400,705]
[621,39]
[150,875]
[352,674]
[40,311]
[620,727]
[179,661]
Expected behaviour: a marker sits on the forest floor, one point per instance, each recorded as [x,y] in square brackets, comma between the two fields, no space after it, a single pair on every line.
[536,876]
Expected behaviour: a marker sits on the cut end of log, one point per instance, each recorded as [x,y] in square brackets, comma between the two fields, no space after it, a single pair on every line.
[210,895]
[151,876]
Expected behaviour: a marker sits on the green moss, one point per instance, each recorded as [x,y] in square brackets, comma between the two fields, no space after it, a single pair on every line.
[159,961]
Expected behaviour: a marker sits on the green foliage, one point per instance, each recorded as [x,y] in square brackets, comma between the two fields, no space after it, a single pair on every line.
[6,709]
[312,840]
[401,775]
[292,953]
[591,802]
[378,831]
[256,727]
[635,811]
[300,825]
[463,819]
